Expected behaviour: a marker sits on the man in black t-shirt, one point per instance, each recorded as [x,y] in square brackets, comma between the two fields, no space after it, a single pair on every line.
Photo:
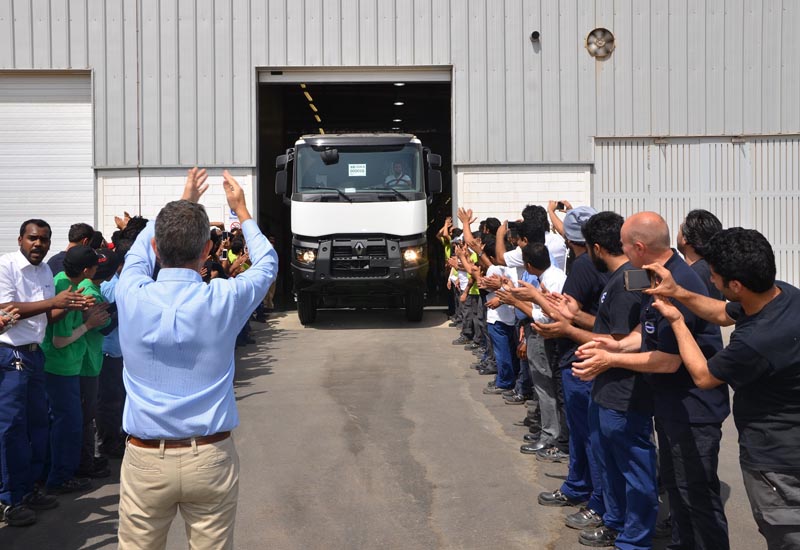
[695,231]
[688,419]
[761,363]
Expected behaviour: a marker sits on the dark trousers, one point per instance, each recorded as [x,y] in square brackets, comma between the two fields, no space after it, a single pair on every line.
[583,479]
[505,354]
[689,455]
[470,328]
[89,386]
[623,445]
[563,435]
[110,403]
[23,423]
[775,501]
[66,430]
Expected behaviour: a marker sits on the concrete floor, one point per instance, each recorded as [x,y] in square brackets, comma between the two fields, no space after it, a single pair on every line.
[364,432]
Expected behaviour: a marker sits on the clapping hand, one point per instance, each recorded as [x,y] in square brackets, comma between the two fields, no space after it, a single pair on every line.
[195,184]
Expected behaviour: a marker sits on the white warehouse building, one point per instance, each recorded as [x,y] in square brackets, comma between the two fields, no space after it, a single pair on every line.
[666,106]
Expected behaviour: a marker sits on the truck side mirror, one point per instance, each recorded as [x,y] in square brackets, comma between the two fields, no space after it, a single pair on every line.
[434,160]
[434,180]
[281,161]
[280,181]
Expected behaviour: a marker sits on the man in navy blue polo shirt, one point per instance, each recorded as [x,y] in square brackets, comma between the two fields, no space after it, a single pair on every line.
[688,419]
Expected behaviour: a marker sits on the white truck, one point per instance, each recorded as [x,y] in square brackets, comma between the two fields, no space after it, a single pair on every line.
[359,220]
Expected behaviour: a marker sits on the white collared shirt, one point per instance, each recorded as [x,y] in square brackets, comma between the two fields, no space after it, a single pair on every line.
[21,281]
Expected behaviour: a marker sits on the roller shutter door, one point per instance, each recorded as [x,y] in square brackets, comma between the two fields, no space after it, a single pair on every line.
[45,154]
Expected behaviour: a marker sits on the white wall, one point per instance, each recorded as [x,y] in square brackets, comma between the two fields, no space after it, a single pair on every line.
[503,191]
[123,190]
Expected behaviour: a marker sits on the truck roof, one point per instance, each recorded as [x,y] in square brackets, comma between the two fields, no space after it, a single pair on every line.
[357,139]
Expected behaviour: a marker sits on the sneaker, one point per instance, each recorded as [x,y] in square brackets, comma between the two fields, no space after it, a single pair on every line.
[557,498]
[516,399]
[601,536]
[494,391]
[72,485]
[585,518]
[37,500]
[552,454]
[490,384]
[478,365]
[17,516]
[487,371]
[472,347]
[508,393]
[460,341]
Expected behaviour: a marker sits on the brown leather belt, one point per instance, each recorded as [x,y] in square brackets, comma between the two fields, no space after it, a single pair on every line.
[24,347]
[175,443]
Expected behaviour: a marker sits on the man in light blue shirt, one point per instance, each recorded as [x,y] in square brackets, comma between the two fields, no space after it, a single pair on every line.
[177,336]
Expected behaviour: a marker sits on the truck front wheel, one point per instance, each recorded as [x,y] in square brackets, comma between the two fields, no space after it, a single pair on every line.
[307,307]
[414,306]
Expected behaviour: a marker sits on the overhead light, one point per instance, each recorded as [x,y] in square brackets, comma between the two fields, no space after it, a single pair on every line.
[316,117]
[397,120]
[308,96]
[313,107]
[399,83]
[395,128]
[399,103]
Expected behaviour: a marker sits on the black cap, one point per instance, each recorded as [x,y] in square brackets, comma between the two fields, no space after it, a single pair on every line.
[108,262]
[79,258]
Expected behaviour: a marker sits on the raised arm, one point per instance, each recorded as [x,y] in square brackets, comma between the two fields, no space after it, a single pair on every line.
[709,309]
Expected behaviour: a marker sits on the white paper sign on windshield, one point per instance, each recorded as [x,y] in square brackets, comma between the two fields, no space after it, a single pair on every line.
[357,170]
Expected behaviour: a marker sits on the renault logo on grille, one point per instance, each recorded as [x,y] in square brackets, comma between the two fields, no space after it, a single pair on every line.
[358,248]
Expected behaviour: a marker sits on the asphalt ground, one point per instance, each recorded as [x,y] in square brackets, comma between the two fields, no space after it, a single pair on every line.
[365,431]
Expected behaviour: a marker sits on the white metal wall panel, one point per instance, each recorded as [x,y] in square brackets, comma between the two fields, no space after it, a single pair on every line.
[45,154]
[753,183]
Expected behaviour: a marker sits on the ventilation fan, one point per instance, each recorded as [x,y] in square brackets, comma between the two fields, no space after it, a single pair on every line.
[600,43]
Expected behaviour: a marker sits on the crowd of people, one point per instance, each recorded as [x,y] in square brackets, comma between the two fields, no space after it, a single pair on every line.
[62,394]
[628,382]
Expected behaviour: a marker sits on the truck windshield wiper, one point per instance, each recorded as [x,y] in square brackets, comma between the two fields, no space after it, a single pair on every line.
[392,189]
[341,193]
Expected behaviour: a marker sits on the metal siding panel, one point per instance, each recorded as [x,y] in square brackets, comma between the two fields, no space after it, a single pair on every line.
[169,109]
[259,32]
[331,33]
[115,84]
[678,67]
[623,68]
[461,77]
[404,39]
[515,42]
[604,70]
[97,60]
[59,30]
[79,34]
[734,78]
[569,41]
[7,34]
[790,69]
[150,102]
[387,43]
[243,75]
[659,59]
[696,72]
[368,32]
[23,39]
[477,114]
[587,95]
[350,32]
[751,67]
[770,69]
[295,32]
[188,91]
[495,86]
[130,96]
[551,85]
[441,30]
[40,34]
[223,80]
[422,33]
[277,33]
[715,98]
[313,32]
[206,86]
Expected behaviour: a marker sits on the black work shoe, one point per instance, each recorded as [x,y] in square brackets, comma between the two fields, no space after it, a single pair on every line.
[478,365]
[663,528]
[532,448]
[494,391]
[516,399]
[37,500]
[100,461]
[72,485]
[94,472]
[17,516]
[532,438]
[524,422]
[460,341]
[552,454]
[601,536]
[509,393]
[484,372]
[472,346]
[557,498]
[585,518]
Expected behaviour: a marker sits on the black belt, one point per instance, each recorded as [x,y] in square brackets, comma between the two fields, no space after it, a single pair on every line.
[24,347]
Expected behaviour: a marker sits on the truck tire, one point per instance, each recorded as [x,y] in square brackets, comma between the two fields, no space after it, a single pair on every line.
[414,306]
[307,308]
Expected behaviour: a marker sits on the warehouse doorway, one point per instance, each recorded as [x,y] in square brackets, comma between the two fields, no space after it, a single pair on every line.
[292,103]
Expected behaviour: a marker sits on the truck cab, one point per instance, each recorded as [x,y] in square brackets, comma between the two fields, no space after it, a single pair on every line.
[359,220]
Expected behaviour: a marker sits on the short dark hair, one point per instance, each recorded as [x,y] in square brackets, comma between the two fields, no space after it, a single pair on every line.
[698,228]
[79,231]
[237,245]
[743,255]
[97,240]
[181,233]
[536,213]
[490,246]
[492,225]
[537,255]
[604,228]
[456,232]
[134,226]
[481,226]
[37,222]
[532,230]
[122,245]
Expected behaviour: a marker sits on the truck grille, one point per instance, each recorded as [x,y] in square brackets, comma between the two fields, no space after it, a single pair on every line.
[352,259]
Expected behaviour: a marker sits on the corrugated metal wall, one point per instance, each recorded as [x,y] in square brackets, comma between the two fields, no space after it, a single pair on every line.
[681,67]
[754,183]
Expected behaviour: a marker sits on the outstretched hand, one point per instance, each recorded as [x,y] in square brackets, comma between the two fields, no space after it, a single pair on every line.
[195,184]
[234,194]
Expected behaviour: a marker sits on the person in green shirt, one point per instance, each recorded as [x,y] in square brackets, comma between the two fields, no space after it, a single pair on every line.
[64,347]
[91,466]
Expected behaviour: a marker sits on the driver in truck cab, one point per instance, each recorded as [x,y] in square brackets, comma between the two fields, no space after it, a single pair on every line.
[398,176]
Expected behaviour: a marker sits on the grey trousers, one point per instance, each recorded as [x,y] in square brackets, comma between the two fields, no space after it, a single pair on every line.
[543,386]
[775,501]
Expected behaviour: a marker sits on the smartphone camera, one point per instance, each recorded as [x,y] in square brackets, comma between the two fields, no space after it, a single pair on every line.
[638,279]
[560,206]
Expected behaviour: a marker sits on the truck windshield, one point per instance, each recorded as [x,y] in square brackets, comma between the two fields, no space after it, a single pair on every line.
[361,170]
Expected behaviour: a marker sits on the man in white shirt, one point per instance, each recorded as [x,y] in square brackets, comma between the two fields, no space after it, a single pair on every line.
[26,283]
[398,177]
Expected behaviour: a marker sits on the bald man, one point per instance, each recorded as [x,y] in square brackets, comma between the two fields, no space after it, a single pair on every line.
[688,419]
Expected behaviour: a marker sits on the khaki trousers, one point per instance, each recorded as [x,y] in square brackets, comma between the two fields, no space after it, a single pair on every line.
[201,481]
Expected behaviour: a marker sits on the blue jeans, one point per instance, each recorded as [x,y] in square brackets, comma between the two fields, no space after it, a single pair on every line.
[627,459]
[505,354]
[23,423]
[583,480]
[66,429]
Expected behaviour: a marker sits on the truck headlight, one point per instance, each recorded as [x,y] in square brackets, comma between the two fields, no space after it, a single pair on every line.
[305,256]
[413,255]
